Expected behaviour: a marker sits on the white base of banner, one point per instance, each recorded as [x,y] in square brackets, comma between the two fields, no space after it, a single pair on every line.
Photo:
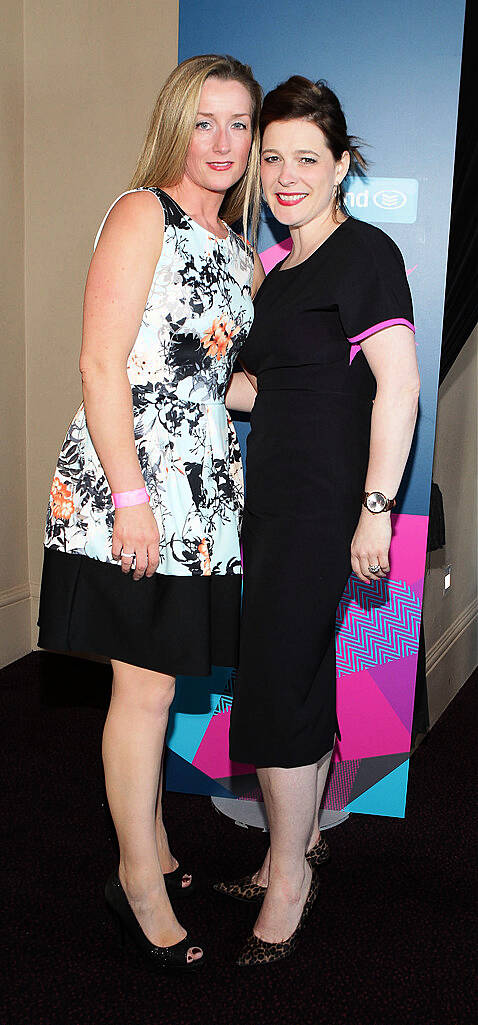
[253,813]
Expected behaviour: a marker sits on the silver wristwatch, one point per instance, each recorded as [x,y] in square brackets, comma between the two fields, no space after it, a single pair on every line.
[376,502]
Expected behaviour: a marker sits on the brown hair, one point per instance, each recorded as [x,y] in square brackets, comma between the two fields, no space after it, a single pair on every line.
[163,157]
[314,101]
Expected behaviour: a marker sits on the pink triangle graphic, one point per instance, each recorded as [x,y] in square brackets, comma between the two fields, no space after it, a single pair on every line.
[369,725]
[212,755]
[395,681]
[272,255]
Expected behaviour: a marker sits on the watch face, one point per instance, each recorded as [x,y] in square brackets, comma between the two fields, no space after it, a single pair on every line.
[376,502]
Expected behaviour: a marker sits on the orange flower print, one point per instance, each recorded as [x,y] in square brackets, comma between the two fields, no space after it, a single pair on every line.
[61,500]
[204,557]
[218,340]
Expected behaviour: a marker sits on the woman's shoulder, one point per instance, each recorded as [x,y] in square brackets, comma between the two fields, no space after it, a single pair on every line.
[135,212]
[369,240]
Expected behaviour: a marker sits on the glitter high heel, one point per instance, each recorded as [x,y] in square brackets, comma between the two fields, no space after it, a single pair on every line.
[175,956]
[173,882]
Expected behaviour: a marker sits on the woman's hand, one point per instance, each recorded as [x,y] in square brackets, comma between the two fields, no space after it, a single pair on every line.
[136,536]
[371,545]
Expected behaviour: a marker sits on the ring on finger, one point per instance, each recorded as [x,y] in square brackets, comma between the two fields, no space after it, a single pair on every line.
[128,555]
[374,569]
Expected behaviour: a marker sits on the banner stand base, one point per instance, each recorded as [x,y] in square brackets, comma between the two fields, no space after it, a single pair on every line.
[253,813]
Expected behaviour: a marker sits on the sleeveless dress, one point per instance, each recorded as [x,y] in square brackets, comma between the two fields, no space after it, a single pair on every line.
[185,618]
[307,456]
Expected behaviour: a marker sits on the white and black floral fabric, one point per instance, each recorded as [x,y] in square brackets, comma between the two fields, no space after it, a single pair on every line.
[197,317]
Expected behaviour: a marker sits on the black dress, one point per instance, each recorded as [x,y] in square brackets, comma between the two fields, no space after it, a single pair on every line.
[307,456]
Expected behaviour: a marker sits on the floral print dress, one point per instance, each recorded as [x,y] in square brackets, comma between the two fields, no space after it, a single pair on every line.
[185,618]
[197,317]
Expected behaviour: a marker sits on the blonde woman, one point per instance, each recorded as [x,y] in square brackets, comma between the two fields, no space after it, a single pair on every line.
[142,560]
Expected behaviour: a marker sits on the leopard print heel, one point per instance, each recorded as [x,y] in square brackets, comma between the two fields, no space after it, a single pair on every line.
[319,853]
[257,951]
[245,889]
[241,889]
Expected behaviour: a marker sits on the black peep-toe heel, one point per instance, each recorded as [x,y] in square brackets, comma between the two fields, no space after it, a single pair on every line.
[129,927]
[173,882]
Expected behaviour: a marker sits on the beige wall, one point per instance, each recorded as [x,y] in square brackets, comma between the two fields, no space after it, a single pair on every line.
[450,619]
[14,585]
[78,83]
[92,73]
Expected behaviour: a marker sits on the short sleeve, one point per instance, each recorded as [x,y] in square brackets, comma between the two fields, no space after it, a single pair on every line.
[374,292]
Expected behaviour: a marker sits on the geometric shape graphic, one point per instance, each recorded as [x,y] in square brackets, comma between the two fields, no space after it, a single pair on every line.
[377,622]
[184,778]
[372,770]
[368,724]
[195,702]
[272,255]
[186,732]
[408,548]
[390,679]
[212,755]
[340,784]
[244,788]
[387,797]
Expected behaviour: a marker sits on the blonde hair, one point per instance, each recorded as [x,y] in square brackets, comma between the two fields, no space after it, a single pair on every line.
[162,160]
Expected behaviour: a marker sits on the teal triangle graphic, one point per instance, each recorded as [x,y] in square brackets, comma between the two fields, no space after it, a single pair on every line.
[387,797]
[185,733]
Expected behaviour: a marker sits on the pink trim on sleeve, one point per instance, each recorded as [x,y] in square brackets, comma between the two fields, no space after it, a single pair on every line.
[380,327]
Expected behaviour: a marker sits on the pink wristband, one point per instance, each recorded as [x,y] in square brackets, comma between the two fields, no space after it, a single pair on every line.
[124,498]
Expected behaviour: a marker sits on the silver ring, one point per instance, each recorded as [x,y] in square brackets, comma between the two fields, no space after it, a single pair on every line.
[131,555]
[374,569]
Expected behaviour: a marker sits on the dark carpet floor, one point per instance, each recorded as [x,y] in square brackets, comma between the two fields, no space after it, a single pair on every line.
[391,941]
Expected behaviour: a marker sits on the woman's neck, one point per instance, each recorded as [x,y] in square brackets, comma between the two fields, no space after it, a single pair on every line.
[306,238]
[201,204]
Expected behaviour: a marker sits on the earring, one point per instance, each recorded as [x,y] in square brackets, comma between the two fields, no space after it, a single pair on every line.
[338,198]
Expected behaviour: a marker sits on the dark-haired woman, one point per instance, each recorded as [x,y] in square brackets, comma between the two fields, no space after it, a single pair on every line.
[332,356]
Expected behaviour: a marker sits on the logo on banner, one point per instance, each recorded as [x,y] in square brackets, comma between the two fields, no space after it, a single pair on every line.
[383,200]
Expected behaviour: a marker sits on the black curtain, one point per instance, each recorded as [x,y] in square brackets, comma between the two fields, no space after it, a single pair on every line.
[461,295]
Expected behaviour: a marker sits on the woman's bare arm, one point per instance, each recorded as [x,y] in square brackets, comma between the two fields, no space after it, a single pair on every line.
[391,356]
[241,392]
[117,287]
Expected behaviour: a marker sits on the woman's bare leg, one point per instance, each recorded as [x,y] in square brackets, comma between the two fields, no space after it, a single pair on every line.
[133,743]
[167,861]
[322,773]
[261,877]
[290,799]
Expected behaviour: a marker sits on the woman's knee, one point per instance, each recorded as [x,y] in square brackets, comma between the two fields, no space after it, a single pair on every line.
[142,688]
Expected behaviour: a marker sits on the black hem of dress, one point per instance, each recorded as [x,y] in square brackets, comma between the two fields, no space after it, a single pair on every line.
[179,626]
[274,760]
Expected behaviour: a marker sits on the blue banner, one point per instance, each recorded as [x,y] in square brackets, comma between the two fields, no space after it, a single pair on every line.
[396,70]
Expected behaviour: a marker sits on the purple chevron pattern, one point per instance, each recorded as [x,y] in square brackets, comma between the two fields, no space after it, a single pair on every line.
[376,623]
